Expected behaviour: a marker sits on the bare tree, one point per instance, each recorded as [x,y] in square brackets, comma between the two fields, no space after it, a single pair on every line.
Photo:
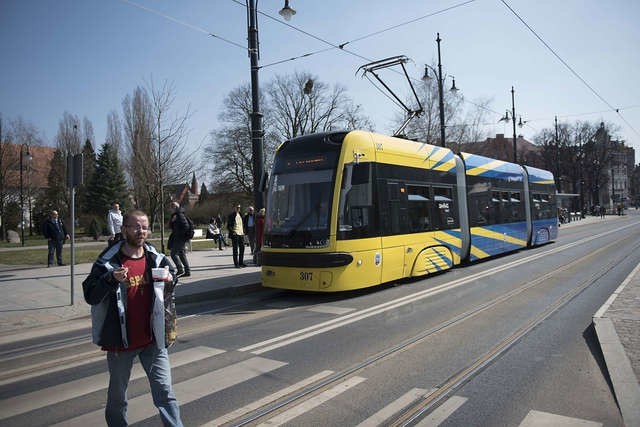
[461,125]
[138,130]
[156,145]
[301,104]
[114,131]
[69,134]
[20,135]
[292,105]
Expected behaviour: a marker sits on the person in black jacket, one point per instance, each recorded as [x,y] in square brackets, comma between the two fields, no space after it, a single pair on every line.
[133,316]
[249,225]
[178,239]
[55,232]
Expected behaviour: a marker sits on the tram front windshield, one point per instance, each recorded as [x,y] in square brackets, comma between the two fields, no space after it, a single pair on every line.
[299,209]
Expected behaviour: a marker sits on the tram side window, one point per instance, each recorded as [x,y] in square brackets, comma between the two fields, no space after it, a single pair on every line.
[419,208]
[543,206]
[445,213]
[479,208]
[517,209]
[356,203]
[496,211]
[547,207]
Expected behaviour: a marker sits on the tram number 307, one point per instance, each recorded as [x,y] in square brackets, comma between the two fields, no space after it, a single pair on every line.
[306,276]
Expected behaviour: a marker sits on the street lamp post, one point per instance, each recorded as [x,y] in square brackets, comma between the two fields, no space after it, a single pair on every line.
[453,89]
[257,133]
[22,146]
[513,121]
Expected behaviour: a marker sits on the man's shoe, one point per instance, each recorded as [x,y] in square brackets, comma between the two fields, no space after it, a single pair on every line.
[62,264]
[179,274]
[243,265]
[187,274]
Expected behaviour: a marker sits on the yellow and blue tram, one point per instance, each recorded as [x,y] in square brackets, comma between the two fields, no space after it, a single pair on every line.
[349,210]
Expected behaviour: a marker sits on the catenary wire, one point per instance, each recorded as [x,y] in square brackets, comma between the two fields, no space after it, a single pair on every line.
[184,24]
[575,73]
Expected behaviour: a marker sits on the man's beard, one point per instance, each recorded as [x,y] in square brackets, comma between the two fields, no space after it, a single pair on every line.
[134,241]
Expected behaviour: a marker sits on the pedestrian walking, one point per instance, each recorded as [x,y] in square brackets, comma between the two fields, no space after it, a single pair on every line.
[603,211]
[130,289]
[236,234]
[179,225]
[56,233]
[249,226]
[114,223]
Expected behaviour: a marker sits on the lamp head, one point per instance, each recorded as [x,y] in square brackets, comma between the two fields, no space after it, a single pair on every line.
[454,89]
[308,87]
[286,12]
[506,117]
[426,77]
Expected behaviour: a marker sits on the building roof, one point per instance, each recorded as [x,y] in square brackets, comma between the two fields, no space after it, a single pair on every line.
[35,172]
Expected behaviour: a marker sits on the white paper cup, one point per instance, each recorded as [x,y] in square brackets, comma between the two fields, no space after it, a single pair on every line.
[159,274]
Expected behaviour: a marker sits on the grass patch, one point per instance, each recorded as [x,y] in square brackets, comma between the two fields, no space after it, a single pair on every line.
[84,253]
[39,256]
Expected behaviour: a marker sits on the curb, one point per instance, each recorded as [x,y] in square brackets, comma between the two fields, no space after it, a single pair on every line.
[625,384]
[233,291]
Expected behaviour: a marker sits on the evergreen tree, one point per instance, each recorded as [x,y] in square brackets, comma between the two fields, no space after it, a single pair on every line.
[108,182]
[88,168]
[204,194]
[57,194]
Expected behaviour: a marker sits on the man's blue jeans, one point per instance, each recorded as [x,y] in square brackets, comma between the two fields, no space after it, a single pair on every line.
[156,364]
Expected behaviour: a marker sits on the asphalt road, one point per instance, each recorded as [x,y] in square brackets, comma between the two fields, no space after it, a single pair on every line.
[507,342]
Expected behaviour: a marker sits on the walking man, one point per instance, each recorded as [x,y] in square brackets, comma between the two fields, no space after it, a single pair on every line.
[55,232]
[128,318]
[114,223]
[236,234]
[178,239]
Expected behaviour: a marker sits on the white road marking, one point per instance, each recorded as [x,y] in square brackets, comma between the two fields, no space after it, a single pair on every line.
[266,400]
[380,417]
[312,403]
[330,309]
[443,412]
[141,407]
[72,389]
[545,419]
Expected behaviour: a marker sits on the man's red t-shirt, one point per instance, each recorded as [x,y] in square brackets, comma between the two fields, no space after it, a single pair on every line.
[139,297]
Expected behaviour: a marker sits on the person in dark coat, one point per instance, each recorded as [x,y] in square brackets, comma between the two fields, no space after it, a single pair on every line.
[249,227]
[178,239]
[55,232]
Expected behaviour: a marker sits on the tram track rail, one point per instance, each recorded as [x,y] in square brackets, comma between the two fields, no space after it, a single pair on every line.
[429,402]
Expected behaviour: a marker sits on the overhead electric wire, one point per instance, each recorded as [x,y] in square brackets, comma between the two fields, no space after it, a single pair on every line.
[185,24]
[342,48]
[575,73]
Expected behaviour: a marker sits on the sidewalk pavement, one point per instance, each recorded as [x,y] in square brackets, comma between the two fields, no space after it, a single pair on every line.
[36,295]
[39,296]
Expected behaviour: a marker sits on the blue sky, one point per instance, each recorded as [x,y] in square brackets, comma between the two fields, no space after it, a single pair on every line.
[85,56]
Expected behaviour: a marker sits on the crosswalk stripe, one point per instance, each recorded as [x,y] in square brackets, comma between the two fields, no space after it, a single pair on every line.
[48,396]
[443,411]
[266,400]
[543,419]
[142,407]
[312,403]
[385,413]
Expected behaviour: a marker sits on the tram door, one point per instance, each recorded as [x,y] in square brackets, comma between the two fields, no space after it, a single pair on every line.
[394,222]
